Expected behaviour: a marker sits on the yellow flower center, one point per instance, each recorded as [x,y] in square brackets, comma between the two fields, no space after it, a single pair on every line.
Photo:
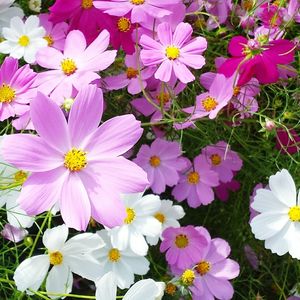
[154,161]
[216,159]
[137,2]
[294,213]
[20,176]
[131,73]
[49,40]
[160,217]
[188,277]
[24,41]
[114,255]
[203,267]
[75,159]
[236,91]
[56,258]
[209,103]
[7,94]
[172,52]
[124,24]
[247,4]
[181,241]
[193,177]
[68,102]
[170,289]
[130,215]
[68,66]
[86,4]
[163,98]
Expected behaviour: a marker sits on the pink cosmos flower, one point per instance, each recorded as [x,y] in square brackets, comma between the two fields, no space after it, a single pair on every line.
[222,160]
[13,234]
[173,52]
[55,33]
[17,88]
[270,14]
[76,66]
[81,14]
[184,246]
[214,270]
[139,8]
[251,58]
[210,103]
[77,163]
[162,161]
[196,182]
[218,10]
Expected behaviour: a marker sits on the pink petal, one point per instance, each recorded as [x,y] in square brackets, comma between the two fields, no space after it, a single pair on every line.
[236,45]
[225,269]
[164,33]
[192,60]
[182,34]
[150,44]
[164,71]
[220,288]
[182,72]
[49,58]
[75,44]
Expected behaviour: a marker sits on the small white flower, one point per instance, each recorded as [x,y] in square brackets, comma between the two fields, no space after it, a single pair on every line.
[140,222]
[146,289]
[65,257]
[35,5]
[7,12]
[122,263]
[23,39]
[279,220]
[168,214]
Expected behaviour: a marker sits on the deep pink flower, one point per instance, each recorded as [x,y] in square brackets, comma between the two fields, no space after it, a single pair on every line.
[138,8]
[270,14]
[17,88]
[77,163]
[222,190]
[250,58]
[195,184]
[222,160]
[173,52]
[162,162]
[287,141]
[184,246]
[76,66]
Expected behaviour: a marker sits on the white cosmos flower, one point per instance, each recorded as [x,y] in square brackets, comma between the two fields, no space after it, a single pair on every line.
[140,222]
[279,220]
[168,214]
[7,12]
[147,289]
[65,257]
[122,263]
[23,39]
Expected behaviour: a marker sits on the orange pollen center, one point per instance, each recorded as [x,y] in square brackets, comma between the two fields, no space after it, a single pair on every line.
[236,91]
[7,94]
[181,241]
[247,4]
[216,159]
[49,40]
[131,73]
[154,161]
[137,2]
[203,267]
[209,103]
[86,4]
[160,217]
[68,66]
[170,289]
[193,177]
[163,98]
[56,258]
[124,24]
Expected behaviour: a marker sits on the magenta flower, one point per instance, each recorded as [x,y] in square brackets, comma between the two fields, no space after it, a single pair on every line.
[251,58]
[270,14]
[77,163]
[162,161]
[184,246]
[196,183]
[223,189]
[173,52]
[287,141]
[210,103]
[214,270]
[138,8]
[222,160]
[76,66]
[17,88]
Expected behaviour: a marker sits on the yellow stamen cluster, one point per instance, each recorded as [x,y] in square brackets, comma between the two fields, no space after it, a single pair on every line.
[193,177]
[114,255]
[188,277]
[131,73]
[170,289]
[86,4]
[181,241]
[160,217]
[68,66]
[24,41]
[124,24]
[236,91]
[130,215]
[154,161]
[137,2]
[209,103]
[294,213]
[20,176]
[75,159]
[7,94]
[56,258]
[49,40]
[172,52]
[216,159]
[203,267]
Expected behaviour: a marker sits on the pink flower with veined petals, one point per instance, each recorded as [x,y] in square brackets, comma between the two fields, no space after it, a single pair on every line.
[173,52]
[77,163]
[138,8]
[196,182]
[162,161]
[184,246]
[17,87]
[76,66]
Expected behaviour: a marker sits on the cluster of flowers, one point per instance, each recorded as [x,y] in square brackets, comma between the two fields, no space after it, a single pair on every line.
[66,162]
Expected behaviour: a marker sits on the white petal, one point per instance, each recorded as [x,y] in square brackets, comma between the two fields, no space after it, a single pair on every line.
[139,264]
[148,205]
[120,237]
[283,186]
[31,272]
[144,289]
[124,275]
[106,287]
[55,238]
[137,243]
[148,226]
[31,23]
[294,238]
[59,280]
[30,54]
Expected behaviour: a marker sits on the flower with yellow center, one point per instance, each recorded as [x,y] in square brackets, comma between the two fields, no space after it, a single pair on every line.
[172,52]
[68,66]
[170,289]
[130,215]
[124,24]
[137,2]
[86,4]
[203,267]
[154,161]
[131,73]
[75,160]
[56,258]
[24,41]
[294,213]
[49,40]
[20,176]
[215,159]
[114,255]
[7,94]
[160,217]
[181,241]
[188,277]
[209,103]
[236,90]
[193,177]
